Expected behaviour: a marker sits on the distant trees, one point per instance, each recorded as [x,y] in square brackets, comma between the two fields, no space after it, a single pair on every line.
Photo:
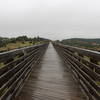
[5,41]
[22,38]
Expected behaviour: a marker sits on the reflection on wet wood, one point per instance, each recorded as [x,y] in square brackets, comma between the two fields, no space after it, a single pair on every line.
[51,80]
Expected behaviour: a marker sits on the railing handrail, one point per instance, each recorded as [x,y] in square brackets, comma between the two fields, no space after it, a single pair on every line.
[85,52]
[9,54]
[19,49]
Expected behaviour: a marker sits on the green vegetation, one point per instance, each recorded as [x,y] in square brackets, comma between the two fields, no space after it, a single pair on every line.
[7,44]
[11,46]
[92,44]
[1,64]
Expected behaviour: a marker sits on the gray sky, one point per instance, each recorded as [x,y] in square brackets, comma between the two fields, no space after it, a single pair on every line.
[54,19]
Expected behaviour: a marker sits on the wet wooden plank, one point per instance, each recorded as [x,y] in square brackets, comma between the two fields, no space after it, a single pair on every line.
[51,80]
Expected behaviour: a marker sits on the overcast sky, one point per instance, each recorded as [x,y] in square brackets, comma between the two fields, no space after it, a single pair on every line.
[54,19]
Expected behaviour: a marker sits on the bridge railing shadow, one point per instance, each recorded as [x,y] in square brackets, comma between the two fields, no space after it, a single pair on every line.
[85,67]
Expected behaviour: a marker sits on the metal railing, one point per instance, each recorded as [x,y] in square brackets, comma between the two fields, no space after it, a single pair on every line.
[85,66]
[16,69]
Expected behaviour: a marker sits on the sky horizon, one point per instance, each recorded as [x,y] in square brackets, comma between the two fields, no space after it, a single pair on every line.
[52,19]
[49,38]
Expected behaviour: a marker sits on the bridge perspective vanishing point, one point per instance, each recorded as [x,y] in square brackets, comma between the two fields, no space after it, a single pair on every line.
[50,72]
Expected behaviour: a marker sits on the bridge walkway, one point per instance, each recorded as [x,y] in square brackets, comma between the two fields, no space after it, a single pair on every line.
[51,80]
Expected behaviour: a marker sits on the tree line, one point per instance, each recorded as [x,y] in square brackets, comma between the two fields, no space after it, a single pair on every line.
[4,41]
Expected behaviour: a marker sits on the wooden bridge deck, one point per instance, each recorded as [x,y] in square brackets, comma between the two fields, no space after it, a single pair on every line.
[51,80]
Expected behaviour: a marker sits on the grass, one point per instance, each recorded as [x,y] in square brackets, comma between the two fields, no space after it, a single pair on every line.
[98,83]
[16,58]
[1,64]
[87,58]
[12,46]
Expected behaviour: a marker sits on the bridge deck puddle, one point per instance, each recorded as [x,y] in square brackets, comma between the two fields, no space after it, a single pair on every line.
[51,80]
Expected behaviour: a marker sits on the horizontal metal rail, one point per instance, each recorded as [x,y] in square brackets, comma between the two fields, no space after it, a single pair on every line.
[15,71]
[86,71]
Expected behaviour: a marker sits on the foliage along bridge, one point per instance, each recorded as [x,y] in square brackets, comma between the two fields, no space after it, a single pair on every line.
[50,72]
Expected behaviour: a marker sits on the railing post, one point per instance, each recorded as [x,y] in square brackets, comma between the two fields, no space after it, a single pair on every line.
[93,60]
